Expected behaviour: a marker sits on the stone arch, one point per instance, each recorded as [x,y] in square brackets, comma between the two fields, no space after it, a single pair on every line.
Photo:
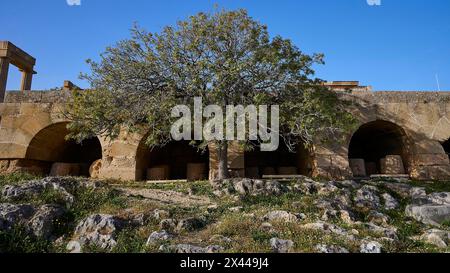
[178,160]
[58,156]
[379,147]
[279,162]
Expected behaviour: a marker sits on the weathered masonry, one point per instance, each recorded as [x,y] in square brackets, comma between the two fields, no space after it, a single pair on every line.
[399,133]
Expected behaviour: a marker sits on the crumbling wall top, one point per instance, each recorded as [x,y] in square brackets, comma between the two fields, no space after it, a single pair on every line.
[404,96]
[59,96]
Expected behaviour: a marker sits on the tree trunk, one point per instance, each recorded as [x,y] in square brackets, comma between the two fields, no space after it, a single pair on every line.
[222,151]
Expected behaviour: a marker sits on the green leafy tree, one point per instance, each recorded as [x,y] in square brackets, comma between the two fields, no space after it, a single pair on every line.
[226,58]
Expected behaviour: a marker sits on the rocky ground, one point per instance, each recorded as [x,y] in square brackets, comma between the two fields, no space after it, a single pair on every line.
[239,215]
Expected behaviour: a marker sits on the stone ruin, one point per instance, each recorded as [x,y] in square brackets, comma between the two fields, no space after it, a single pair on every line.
[402,134]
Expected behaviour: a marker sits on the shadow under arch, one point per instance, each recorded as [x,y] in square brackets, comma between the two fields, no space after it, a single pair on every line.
[446,146]
[377,139]
[279,162]
[178,160]
[50,146]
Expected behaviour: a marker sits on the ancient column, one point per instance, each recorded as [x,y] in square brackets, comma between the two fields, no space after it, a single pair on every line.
[4,68]
[27,78]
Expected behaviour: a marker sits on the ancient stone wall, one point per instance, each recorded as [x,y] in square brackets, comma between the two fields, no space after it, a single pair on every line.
[421,119]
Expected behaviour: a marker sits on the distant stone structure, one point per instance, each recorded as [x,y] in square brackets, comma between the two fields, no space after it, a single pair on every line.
[10,54]
[400,133]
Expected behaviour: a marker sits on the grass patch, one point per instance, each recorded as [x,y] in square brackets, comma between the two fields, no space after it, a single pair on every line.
[15,178]
[19,240]
[130,241]
[432,186]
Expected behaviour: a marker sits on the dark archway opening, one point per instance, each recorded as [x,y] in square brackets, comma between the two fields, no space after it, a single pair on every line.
[59,156]
[379,146]
[280,162]
[446,146]
[177,160]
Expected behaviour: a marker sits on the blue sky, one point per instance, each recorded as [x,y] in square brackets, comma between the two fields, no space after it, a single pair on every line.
[400,45]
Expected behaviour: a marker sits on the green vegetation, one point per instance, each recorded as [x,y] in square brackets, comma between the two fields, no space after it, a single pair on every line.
[15,178]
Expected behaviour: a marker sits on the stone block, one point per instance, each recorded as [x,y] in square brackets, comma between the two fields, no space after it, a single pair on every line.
[196,171]
[65,169]
[287,171]
[371,168]
[358,167]
[158,173]
[392,164]
[120,173]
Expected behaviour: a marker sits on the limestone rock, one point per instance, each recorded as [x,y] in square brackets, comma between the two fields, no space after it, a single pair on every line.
[429,214]
[440,198]
[43,222]
[156,237]
[190,224]
[325,227]
[403,190]
[280,215]
[390,203]
[327,189]
[99,230]
[266,227]
[378,218]
[11,214]
[168,224]
[159,214]
[350,184]
[236,209]
[245,186]
[307,188]
[367,198]
[330,249]
[62,185]
[220,239]
[439,238]
[281,246]
[417,191]
[388,231]
[189,249]
[74,247]
[371,247]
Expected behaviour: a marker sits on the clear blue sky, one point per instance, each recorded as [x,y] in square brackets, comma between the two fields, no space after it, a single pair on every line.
[400,45]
